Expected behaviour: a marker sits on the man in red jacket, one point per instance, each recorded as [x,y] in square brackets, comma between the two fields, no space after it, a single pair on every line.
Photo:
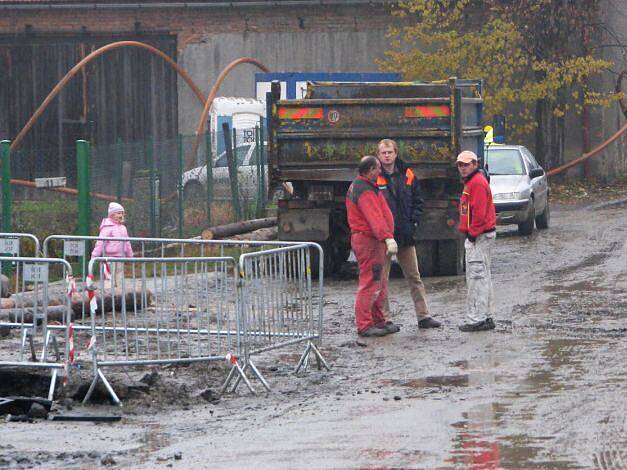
[372,238]
[477,220]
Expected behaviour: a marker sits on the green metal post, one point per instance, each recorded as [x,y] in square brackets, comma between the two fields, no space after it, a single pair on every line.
[151,184]
[180,184]
[209,164]
[82,185]
[262,154]
[232,167]
[119,159]
[7,203]
[238,211]
[259,204]
[7,206]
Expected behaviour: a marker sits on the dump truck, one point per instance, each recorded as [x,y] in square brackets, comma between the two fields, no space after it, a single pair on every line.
[315,143]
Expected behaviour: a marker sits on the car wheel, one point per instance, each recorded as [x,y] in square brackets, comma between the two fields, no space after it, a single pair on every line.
[526,228]
[542,221]
[194,192]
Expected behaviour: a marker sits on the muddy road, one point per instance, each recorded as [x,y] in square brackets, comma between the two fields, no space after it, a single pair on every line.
[546,389]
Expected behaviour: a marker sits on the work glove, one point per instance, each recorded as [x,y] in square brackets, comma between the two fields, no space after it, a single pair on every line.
[470,238]
[392,247]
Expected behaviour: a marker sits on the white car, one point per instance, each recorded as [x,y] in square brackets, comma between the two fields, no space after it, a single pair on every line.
[195,180]
[519,187]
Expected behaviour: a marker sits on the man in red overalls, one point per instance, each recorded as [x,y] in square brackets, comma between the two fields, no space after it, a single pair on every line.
[372,239]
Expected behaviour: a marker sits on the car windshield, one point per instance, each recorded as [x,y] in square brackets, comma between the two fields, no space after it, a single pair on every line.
[504,162]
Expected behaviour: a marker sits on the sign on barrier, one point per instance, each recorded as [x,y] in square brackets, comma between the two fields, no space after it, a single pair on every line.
[73,248]
[10,246]
[11,243]
[36,272]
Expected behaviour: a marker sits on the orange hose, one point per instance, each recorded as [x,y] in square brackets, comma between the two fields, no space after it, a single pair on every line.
[214,92]
[79,66]
[588,155]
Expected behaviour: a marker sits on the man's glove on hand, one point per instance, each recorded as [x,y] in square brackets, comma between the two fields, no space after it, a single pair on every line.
[392,247]
[471,238]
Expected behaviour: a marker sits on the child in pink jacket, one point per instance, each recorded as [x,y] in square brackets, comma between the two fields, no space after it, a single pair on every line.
[113,226]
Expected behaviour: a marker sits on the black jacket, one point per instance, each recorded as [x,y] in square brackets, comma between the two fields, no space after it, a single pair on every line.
[402,193]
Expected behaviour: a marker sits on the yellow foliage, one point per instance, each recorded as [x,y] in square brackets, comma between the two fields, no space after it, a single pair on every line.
[433,41]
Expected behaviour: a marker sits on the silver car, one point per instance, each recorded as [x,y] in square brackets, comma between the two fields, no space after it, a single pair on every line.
[195,180]
[519,187]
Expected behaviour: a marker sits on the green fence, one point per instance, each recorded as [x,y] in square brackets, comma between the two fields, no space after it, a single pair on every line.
[167,188]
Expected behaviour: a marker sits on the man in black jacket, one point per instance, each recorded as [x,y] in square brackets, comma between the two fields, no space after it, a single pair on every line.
[402,193]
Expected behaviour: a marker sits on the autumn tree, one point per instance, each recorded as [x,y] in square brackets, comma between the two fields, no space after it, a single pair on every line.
[532,55]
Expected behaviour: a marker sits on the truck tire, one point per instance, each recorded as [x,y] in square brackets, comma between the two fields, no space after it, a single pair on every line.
[450,260]
[426,251]
[334,258]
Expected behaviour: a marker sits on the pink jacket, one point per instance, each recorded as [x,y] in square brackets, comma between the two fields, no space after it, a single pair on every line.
[121,249]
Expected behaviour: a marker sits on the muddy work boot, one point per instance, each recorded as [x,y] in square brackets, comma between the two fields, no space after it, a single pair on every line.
[391,328]
[371,332]
[429,323]
[483,325]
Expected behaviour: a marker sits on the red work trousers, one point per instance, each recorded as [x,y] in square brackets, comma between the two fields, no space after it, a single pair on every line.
[373,285]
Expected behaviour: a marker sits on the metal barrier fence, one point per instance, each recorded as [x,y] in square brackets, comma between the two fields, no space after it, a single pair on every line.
[16,244]
[278,305]
[170,310]
[237,299]
[77,249]
[39,320]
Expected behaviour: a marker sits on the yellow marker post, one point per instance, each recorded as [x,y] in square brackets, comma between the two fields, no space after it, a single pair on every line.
[489,135]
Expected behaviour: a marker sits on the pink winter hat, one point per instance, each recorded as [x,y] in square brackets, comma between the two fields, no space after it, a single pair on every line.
[115,207]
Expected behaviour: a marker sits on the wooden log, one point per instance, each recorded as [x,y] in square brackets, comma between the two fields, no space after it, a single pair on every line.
[261,235]
[81,301]
[28,300]
[14,315]
[236,228]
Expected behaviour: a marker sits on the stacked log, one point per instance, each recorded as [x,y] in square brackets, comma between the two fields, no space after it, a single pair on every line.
[12,309]
[237,228]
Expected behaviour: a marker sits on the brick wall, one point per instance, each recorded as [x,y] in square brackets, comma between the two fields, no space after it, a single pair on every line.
[193,25]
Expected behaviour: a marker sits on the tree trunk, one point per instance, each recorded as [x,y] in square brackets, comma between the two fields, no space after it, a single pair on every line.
[541,150]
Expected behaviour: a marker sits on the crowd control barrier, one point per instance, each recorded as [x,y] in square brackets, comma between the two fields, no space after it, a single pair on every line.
[13,243]
[41,311]
[176,301]
[16,244]
[277,305]
[168,311]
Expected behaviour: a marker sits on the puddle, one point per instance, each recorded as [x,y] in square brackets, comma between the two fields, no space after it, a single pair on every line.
[478,444]
[438,381]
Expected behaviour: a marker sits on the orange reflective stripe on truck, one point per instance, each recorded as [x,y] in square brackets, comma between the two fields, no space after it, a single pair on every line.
[428,111]
[300,113]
